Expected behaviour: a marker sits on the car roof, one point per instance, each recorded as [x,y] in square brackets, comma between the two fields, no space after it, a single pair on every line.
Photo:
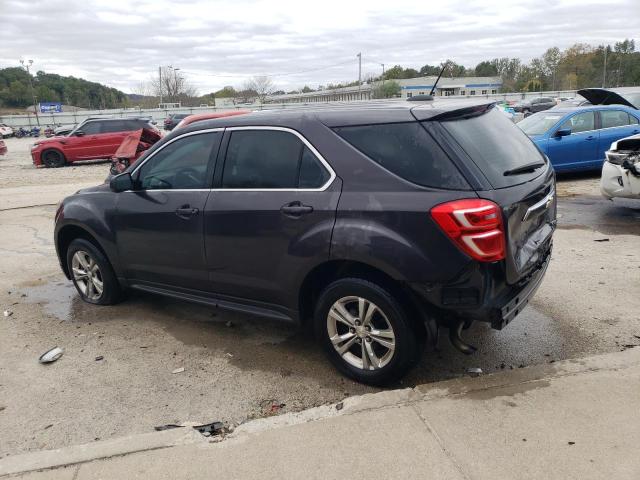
[343,114]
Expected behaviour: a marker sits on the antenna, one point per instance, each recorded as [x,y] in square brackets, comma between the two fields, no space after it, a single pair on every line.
[439,75]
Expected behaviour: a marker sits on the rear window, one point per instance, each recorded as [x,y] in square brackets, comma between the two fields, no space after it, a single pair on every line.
[496,145]
[408,151]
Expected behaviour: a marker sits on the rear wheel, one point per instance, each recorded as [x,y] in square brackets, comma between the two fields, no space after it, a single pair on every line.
[365,332]
[53,159]
[92,273]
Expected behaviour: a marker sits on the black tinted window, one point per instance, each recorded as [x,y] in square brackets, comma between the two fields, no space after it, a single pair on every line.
[114,126]
[91,128]
[496,145]
[407,150]
[182,164]
[270,159]
[312,173]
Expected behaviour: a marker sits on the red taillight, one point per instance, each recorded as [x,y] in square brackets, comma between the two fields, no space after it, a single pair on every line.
[475,225]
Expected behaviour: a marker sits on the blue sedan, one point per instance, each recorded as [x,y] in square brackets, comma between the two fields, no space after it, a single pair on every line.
[576,138]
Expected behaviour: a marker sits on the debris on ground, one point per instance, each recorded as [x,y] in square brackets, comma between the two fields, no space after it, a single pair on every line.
[571,443]
[339,406]
[52,355]
[230,355]
[178,370]
[474,372]
[8,313]
[48,426]
[276,407]
[229,323]
[169,426]
[211,429]
[601,240]
[99,357]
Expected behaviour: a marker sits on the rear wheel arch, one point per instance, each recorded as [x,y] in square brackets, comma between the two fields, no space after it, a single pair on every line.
[324,274]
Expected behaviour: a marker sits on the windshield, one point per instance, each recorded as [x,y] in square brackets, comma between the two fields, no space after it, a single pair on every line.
[497,147]
[539,123]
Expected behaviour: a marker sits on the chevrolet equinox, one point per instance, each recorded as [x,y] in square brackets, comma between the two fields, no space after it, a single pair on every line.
[371,224]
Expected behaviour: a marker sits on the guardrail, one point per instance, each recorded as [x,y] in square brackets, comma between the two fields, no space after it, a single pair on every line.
[158,115]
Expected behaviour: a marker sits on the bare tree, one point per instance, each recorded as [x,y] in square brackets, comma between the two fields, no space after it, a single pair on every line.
[172,85]
[261,84]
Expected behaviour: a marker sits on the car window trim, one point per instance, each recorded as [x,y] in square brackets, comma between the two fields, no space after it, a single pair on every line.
[314,151]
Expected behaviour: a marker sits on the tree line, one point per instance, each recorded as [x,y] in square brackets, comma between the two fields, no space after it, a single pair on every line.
[48,87]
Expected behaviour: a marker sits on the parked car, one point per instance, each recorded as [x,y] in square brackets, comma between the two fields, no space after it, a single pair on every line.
[5,131]
[572,102]
[621,170]
[577,138]
[364,223]
[534,105]
[92,139]
[198,117]
[131,148]
[3,148]
[172,120]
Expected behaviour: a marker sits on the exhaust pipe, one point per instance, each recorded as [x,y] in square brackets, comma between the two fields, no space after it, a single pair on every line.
[455,332]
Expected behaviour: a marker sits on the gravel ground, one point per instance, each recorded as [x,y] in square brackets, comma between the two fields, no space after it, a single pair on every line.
[237,367]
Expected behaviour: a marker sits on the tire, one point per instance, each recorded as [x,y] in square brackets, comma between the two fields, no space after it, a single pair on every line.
[388,318]
[82,257]
[53,159]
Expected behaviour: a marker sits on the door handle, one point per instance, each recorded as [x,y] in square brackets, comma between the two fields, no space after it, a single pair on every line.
[186,212]
[296,209]
[590,137]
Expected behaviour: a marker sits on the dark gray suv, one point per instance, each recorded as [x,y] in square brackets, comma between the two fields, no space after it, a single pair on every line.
[372,224]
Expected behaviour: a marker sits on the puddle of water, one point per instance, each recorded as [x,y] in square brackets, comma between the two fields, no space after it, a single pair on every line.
[57,297]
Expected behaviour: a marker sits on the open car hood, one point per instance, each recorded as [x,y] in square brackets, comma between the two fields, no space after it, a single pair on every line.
[604,96]
[135,143]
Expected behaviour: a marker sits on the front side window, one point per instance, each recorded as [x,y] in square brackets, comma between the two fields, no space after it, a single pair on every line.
[268,159]
[613,118]
[182,164]
[90,128]
[582,122]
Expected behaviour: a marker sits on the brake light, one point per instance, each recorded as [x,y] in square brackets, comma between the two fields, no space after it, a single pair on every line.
[475,225]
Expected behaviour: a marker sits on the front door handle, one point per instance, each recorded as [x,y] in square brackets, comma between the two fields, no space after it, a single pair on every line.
[591,137]
[186,212]
[296,209]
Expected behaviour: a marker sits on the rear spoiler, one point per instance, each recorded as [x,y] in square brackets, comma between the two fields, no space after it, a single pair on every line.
[455,114]
[603,96]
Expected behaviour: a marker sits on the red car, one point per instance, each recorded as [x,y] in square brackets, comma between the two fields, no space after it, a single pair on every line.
[3,148]
[133,146]
[196,117]
[92,139]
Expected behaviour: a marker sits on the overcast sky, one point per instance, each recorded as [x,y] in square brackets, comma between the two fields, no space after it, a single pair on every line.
[217,43]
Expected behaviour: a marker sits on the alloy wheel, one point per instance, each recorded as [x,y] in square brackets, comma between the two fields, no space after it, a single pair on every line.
[361,333]
[87,275]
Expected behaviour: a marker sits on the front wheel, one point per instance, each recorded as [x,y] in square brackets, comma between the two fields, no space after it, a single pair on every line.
[53,159]
[365,332]
[92,273]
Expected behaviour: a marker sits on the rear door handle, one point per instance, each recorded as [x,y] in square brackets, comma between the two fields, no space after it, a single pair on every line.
[296,209]
[186,212]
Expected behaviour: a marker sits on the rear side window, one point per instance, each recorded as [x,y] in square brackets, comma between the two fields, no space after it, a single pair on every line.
[496,145]
[407,150]
[91,128]
[613,118]
[114,126]
[268,159]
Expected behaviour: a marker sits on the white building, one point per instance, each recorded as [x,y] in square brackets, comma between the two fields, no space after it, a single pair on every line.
[409,87]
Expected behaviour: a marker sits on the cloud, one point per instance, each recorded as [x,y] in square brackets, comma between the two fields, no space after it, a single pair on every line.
[120,43]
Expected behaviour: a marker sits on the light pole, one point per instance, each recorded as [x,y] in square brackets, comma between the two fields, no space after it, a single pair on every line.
[26,66]
[359,73]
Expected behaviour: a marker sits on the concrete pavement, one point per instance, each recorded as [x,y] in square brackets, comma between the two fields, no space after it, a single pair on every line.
[572,419]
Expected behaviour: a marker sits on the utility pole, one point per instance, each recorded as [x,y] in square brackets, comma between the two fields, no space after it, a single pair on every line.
[33,95]
[604,70]
[359,73]
[160,83]
[382,73]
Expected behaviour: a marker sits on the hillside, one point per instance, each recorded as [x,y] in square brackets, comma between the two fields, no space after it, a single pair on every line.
[48,87]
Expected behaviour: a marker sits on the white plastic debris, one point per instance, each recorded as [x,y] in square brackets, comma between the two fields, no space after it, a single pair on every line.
[8,313]
[474,372]
[52,355]
[178,370]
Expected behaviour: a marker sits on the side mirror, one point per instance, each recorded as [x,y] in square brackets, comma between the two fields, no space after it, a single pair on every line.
[121,183]
[563,132]
[79,133]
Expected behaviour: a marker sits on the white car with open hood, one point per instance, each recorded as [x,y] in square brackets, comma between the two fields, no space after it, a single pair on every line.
[621,169]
